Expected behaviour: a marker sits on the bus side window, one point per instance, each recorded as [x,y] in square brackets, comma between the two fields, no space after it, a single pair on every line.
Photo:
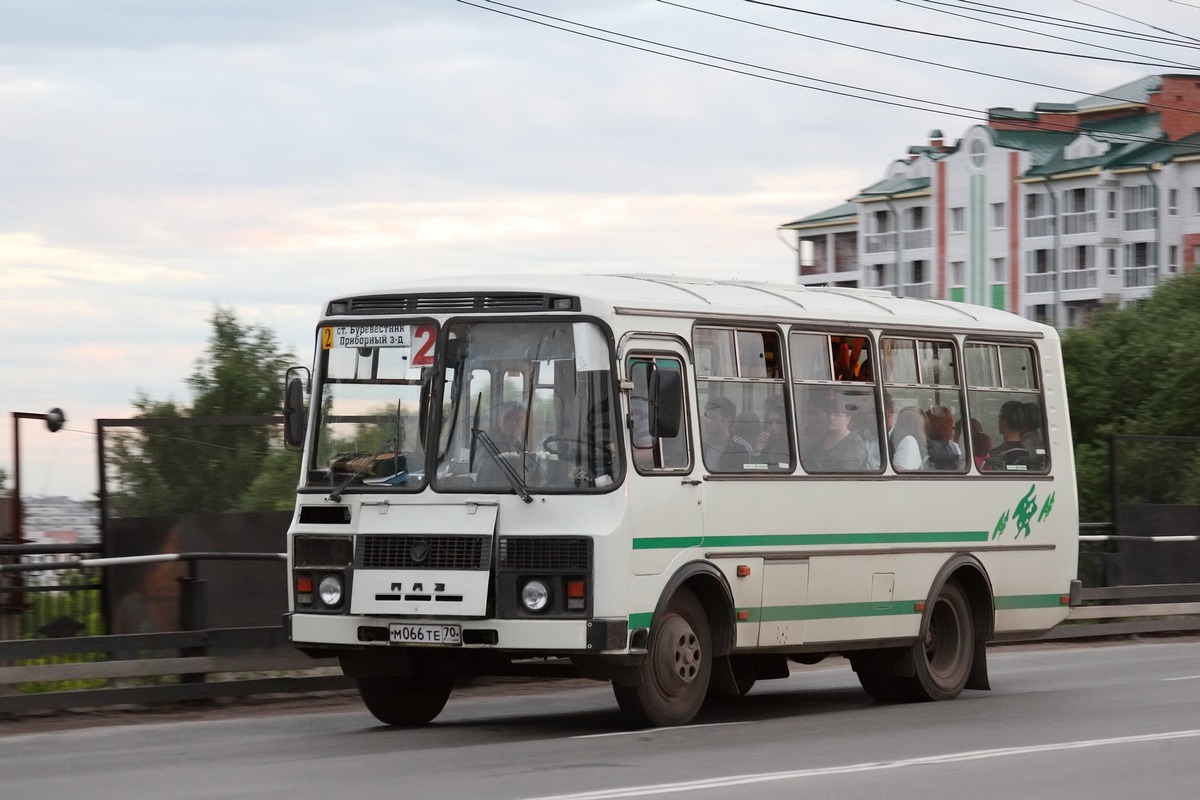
[1007,409]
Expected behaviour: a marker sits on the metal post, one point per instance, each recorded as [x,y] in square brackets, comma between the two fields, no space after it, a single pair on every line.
[193,613]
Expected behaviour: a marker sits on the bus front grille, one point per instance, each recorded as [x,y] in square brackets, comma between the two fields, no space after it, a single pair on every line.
[546,554]
[414,551]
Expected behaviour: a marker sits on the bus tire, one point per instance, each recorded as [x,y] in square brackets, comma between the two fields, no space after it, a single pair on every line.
[406,701]
[938,665]
[945,654]
[673,678]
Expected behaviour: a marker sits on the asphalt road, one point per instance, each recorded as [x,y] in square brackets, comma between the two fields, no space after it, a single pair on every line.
[1065,721]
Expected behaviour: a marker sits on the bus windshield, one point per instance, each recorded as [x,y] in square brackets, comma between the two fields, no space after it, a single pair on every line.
[511,407]
[526,406]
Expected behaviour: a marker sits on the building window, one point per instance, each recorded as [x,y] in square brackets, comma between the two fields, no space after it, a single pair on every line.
[958,219]
[1140,266]
[1112,205]
[1139,207]
[1038,219]
[998,220]
[1196,200]
[1172,202]
[978,154]
[1079,211]
[1173,258]
[999,270]
[1039,276]
[958,273]
[1079,267]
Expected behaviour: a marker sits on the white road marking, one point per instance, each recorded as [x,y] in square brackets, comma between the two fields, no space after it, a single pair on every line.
[948,758]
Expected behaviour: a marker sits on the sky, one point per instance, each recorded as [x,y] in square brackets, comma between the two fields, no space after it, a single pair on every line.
[160,158]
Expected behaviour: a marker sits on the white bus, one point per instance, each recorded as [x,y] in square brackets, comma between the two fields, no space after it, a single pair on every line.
[677,485]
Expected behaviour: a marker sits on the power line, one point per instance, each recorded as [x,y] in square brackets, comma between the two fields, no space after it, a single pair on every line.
[915,60]
[973,115]
[1131,19]
[1043,19]
[1024,48]
[1044,125]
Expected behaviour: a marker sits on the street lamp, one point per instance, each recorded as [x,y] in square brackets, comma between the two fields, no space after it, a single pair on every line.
[54,421]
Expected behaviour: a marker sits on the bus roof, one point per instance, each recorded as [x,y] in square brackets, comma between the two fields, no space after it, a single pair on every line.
[641,294]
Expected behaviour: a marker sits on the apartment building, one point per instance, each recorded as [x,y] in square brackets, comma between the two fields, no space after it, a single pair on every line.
[1048,213]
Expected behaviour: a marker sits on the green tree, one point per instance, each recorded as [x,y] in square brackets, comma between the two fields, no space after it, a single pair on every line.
[173,469]
[1136,371]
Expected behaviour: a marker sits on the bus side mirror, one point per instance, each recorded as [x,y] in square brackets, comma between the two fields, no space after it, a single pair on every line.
[293,413]
[666,403]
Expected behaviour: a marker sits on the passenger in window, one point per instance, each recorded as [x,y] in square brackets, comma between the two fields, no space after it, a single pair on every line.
[981,443]
[723,452]
[1032,438]
[771,444]
[944,452]
[747,427]
[1012,428]
[840,449]
[907,440]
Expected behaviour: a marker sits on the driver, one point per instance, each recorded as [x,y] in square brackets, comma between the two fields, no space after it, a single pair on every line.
[509,435]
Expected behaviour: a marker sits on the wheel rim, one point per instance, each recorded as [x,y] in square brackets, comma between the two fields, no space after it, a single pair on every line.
[944,640]
[679,656]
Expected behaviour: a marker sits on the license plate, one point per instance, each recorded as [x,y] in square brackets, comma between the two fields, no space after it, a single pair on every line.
[399,633]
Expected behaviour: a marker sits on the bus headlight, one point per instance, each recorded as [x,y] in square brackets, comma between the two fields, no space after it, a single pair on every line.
[535,595]
[330,590]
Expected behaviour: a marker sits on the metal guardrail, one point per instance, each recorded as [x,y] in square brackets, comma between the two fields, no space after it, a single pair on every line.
[149,668]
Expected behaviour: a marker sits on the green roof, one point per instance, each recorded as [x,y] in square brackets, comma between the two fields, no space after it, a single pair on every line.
[1137,92]
[846,212]
[893,186]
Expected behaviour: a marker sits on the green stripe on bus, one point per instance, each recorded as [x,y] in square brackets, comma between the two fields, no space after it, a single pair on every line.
[831,611]
[849,610]
[640,620]
[756,540]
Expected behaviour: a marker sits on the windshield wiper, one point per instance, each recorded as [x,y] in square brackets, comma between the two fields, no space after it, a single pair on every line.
[336,494]
[511,474]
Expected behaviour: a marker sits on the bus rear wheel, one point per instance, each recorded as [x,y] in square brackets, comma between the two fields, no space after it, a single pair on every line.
[406,701]
[945,654]
[673,678]
[942,658]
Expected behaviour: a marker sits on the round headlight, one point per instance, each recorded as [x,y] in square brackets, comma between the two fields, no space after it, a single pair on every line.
[535,595]
[330,590]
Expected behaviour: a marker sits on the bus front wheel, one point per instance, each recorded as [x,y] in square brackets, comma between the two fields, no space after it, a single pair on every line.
[406,701]
[673,679]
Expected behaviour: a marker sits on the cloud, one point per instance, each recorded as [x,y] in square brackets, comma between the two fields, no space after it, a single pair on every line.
[163,158]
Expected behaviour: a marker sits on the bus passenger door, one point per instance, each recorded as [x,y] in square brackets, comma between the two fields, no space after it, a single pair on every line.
[664,495]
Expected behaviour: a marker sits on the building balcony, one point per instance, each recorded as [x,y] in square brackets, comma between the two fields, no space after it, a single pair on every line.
[1039,282]
[879,242]
[1039,226]
[920,291]
[915,240]
[1080,222]
[1080,279]
[1135,277]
